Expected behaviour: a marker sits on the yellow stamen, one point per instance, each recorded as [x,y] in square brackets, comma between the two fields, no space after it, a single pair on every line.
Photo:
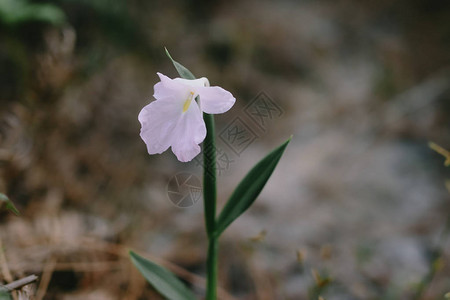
[187,103]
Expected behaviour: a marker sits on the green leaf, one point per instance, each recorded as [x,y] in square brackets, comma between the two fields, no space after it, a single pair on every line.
[249,188]
[161,279]
[182,70]
[4,200]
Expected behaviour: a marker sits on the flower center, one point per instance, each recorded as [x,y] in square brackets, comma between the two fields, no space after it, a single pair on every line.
[188,101]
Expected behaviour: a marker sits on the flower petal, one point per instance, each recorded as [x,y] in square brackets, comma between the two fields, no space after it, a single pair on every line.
[200,82]
[168,88]
[178,87]
[158,120]
[188,134]
[215,100]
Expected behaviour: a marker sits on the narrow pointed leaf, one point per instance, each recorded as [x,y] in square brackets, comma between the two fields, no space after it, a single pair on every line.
[4,200]
[182,70]
[249,188]
[162,279]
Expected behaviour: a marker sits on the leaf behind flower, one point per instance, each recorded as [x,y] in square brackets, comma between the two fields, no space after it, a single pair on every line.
[182,70]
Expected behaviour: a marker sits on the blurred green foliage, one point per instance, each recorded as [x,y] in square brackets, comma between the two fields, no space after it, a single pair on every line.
[103,29]
[13,12]
[4,295]
[101,20]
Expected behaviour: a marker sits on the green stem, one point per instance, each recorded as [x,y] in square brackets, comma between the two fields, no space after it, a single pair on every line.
[209,175]
[209,198]
[211,264]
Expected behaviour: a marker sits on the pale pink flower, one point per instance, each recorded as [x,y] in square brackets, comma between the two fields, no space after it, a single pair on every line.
[175,119]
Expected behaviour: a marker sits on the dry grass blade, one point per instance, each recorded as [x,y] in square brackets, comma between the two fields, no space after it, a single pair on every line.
[46,277]
[17,284]
[441,151]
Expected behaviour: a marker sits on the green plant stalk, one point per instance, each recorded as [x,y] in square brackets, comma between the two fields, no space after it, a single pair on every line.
[211,285]
[209,198]
[209,175]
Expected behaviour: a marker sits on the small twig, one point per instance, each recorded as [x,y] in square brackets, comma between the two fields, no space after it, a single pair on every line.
[5,269]
[46,277]
[4,265]
[20,283]
[136,284]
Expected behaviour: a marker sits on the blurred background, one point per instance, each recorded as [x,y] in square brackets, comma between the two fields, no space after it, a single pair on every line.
[356,209]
